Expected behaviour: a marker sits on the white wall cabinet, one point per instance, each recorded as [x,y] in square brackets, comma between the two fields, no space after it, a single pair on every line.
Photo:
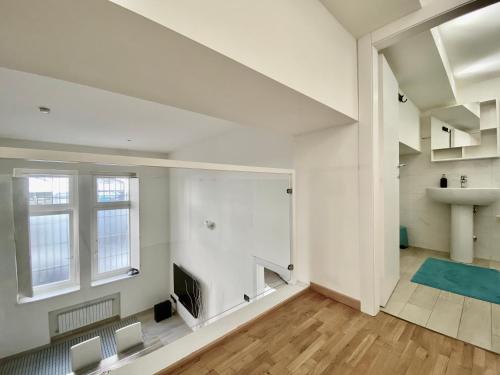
[409,128]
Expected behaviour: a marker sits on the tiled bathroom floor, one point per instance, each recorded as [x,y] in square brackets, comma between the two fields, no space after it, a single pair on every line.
[468,319]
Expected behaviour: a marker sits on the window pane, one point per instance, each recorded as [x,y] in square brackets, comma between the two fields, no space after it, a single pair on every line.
[112,189]
[50,248]
[113,240]
[49,190]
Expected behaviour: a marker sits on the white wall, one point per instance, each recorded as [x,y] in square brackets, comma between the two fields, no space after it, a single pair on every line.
[222,259]
[295,42]
[252,216]
[480,92]
[326,164]
[25,326]
[326,196]
[428,222]
[243,146]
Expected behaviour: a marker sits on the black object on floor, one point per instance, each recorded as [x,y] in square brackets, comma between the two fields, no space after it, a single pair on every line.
[163,311]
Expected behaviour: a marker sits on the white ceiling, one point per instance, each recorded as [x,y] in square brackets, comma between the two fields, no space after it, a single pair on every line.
[472,44]
[435,67]
[87,116]
[420,72]
[71,40]
[360,17]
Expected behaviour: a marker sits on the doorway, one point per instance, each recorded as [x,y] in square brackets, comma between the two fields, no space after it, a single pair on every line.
[447,136]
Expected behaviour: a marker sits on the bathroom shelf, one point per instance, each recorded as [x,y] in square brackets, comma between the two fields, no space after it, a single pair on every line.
[447,154]
[468,158]
[488,134]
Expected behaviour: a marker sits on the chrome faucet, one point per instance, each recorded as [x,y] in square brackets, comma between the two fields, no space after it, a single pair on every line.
[463,181]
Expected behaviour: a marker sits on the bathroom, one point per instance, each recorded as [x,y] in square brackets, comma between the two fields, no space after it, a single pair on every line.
[447,178]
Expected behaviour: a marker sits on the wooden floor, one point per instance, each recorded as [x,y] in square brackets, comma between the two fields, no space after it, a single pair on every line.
[315,335]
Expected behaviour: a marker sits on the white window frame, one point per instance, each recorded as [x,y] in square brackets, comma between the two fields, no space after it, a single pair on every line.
[53,209]
[99,206]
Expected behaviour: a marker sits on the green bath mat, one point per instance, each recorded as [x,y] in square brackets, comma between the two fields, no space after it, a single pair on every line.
[471,281]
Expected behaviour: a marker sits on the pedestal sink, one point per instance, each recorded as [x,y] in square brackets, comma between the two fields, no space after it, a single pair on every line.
[462,202]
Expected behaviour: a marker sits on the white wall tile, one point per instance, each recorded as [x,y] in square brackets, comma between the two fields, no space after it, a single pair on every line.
[428,222]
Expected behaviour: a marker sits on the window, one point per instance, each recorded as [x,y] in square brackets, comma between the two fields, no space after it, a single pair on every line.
[47,233]
[113,249]
[50,246]
[52,204]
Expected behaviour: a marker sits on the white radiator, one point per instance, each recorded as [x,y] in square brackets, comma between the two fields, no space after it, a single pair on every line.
[84,315]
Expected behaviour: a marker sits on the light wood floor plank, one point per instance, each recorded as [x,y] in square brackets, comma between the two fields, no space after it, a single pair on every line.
[315,335]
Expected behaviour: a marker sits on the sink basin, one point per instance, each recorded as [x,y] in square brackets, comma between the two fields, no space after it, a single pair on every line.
[462,218]
[466,196]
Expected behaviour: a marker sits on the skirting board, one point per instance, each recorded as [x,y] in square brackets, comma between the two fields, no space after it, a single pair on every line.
[339,297]
[194,355]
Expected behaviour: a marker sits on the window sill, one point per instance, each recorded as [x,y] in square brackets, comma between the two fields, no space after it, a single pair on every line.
[112,279]
[47,295]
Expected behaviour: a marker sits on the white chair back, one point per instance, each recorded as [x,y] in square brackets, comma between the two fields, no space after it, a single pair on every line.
[128,337]
[85,354]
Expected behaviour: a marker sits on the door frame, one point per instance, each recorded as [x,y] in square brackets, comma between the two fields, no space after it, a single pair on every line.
[370,140]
